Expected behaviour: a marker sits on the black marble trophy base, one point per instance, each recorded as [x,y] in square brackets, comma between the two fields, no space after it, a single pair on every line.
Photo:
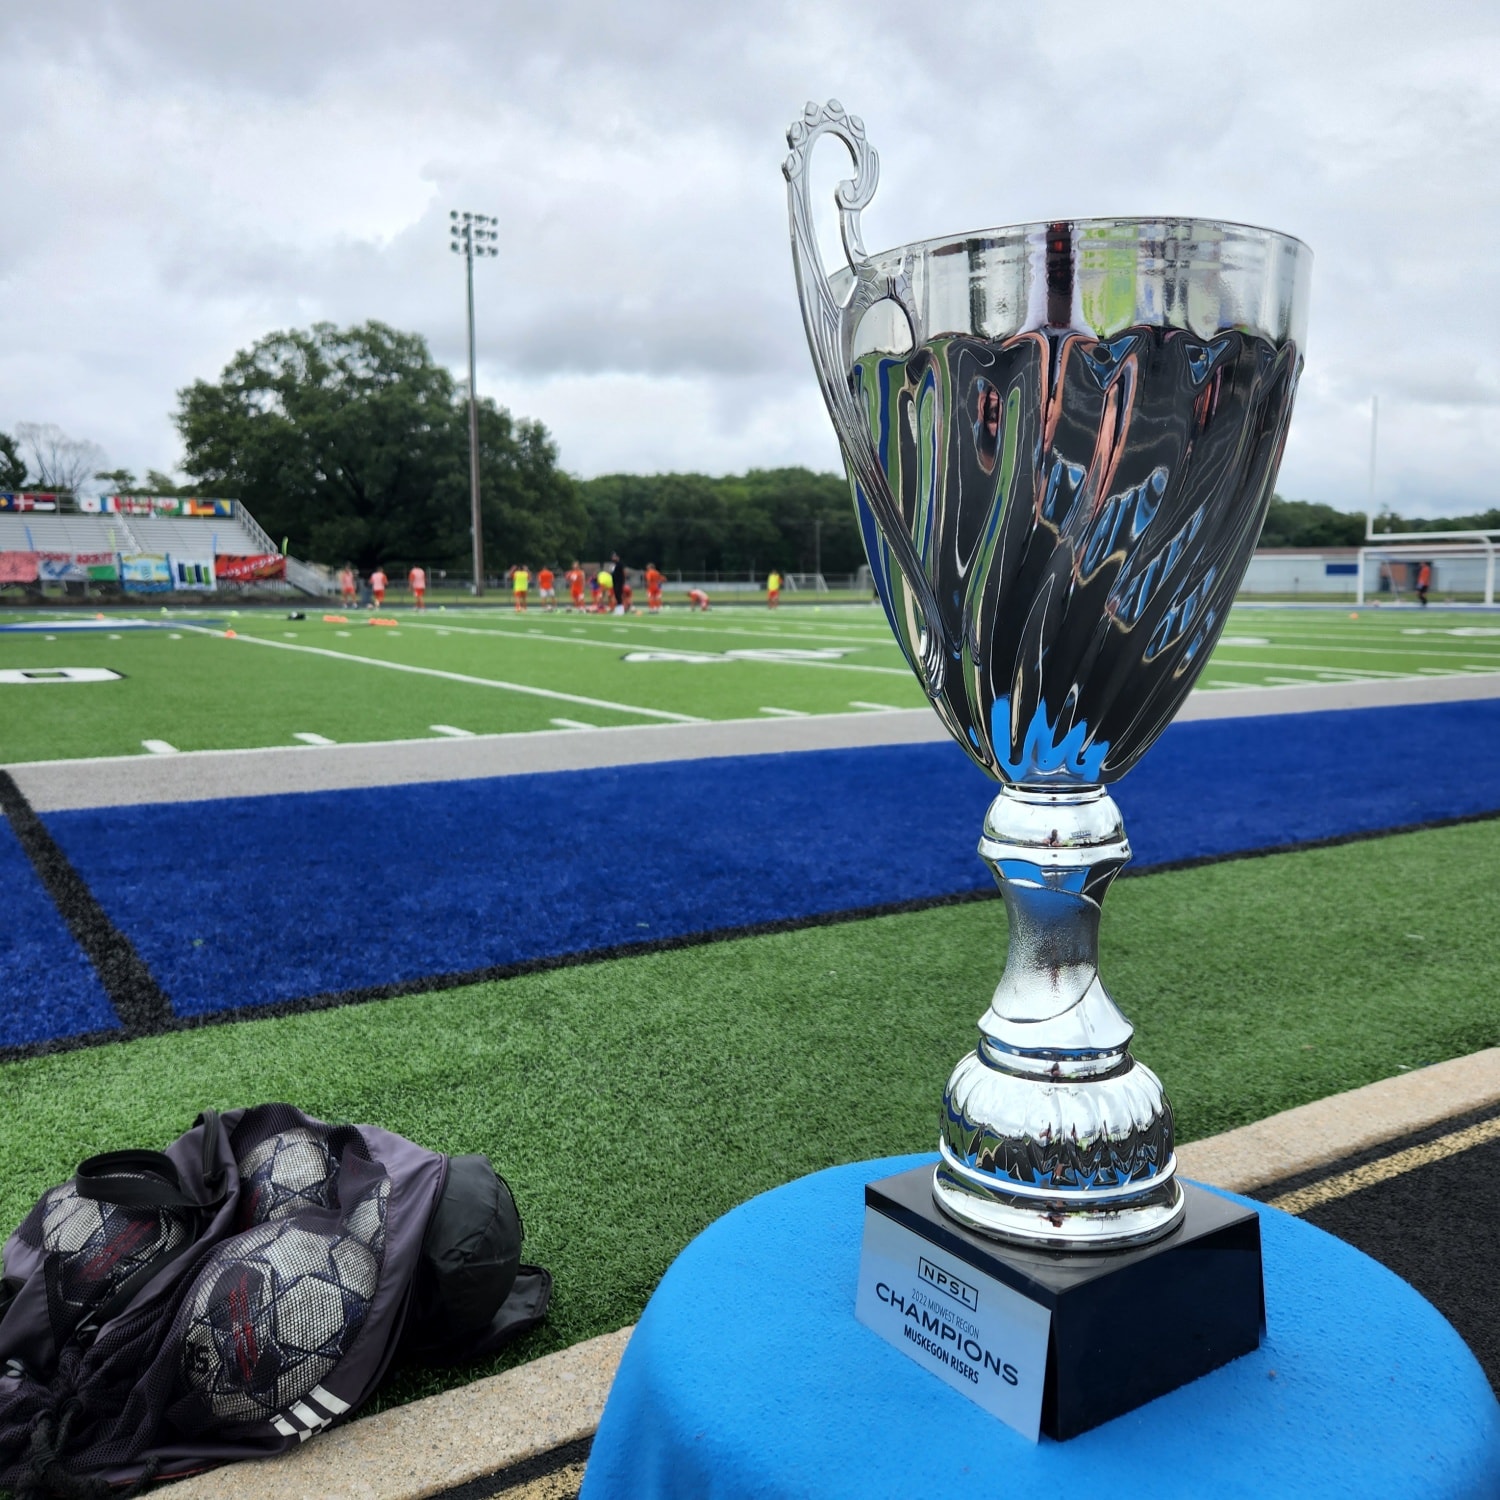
[1127,1325]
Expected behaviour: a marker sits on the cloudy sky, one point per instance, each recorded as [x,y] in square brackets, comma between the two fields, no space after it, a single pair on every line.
[181,178]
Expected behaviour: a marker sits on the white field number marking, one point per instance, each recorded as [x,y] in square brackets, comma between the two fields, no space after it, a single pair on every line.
[58,674]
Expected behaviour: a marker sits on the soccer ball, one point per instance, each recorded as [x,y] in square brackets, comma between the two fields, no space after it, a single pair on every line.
[271,1314]
[98,1245]
[285,1174]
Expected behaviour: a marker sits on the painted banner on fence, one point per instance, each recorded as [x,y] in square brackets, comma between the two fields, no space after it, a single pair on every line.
[145,573]
[17,567]
[249,569]
[12,501]
[193,574]
[77,567]
[59,567]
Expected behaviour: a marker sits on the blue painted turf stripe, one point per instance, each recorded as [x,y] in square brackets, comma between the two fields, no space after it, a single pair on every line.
[260,900]
[48,988]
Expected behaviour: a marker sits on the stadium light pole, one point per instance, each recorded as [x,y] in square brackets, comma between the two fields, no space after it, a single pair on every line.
[473,235]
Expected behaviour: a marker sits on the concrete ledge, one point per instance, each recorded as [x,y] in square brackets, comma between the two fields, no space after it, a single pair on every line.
[478,1430]
[1313,1135]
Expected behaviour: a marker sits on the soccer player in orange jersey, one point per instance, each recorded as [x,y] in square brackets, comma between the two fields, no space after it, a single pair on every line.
[574,575]
[346,585]
[697,599]
[654,581]
[378,581]
[416,581]
[545,591]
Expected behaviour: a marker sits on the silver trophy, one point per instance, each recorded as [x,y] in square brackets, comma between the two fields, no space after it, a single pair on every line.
[1061,440]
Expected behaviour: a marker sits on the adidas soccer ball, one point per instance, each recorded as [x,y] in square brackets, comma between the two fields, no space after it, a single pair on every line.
[100,1244]
[271,1314]
[284,1174]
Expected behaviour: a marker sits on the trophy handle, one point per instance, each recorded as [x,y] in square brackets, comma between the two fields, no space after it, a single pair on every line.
[831,326]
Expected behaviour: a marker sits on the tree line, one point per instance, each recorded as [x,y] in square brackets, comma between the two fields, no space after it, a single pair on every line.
[352,443]
[1304,523]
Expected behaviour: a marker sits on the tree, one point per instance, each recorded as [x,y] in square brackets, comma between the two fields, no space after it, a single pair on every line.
[792,519]
[1303,523]
[58,462]
[353,443]
[1487,520]
[12,465]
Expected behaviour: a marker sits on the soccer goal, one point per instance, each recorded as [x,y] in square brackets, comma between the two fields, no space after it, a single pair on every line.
[1476,548]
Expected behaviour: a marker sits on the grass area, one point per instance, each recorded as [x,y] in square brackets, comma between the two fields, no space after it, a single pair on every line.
[630,1103]
[492,671]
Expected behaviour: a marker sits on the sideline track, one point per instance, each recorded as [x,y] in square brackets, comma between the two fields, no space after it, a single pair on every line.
[201,775]
[524,1434]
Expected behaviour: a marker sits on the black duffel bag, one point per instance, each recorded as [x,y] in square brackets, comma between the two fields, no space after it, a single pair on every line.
[165,1312]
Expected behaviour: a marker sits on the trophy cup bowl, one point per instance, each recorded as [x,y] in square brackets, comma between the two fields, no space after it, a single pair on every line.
[1061,441]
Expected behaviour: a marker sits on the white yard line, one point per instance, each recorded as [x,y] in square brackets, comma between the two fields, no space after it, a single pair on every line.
[452,731]
[880,634]
[159,747]
[1298,666]
[1395,648]
[489,682]
[874,708]
[567,640]
[573,724]
[309,738]
[778,661]
[786,713]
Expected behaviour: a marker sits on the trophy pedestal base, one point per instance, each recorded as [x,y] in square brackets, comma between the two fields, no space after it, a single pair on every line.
[1059,1341]
[748,1376]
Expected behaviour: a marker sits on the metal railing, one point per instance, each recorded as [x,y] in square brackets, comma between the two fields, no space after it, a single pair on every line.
[257,532]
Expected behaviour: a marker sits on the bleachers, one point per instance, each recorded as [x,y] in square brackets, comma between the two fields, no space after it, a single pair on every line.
[198,537]
[201,536]
[38,532]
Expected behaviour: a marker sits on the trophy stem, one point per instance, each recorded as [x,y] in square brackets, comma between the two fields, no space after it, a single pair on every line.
[1052,1134]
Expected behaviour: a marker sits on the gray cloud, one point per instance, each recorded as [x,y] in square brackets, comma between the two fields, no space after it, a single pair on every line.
[183,178]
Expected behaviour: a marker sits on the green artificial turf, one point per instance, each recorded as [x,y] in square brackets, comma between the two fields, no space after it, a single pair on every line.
[629,1103]
[191,686]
